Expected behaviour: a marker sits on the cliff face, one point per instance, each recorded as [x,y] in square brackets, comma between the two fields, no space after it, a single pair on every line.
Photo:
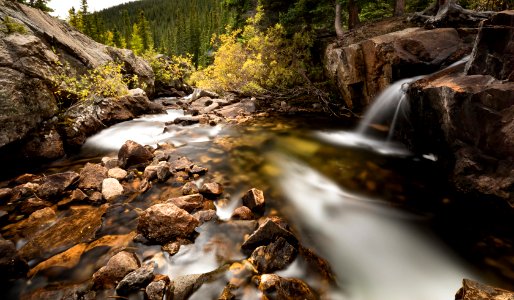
[28,62]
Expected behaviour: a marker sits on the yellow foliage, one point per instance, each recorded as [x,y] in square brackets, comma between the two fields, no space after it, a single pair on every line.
[168,69]
[254,60]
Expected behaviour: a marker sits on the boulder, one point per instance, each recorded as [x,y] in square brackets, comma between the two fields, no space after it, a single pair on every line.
[162,223]
[116,269]
[132,153]
[188,203]
[160,171]
[254,200]
[111,189]
[472,290]
[92,176]
[56,184]
[267,233]
[362,70]
[136,280]
[274,257]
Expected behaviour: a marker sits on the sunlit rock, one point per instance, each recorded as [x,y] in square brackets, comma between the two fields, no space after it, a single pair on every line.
[92,176]
[136,279]
[472,290]
[111,189]
[117,173]
[267,233]
[188,203]
[211,189]
[204,216]
[190,188]
[276,256]
[160,171]
[132,153]
[242,213]
[277,287]
[56,184]
[116,269]
[254,200]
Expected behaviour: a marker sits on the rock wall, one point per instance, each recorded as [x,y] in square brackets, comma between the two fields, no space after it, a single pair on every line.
[28,61]
[363,69]
[467,117]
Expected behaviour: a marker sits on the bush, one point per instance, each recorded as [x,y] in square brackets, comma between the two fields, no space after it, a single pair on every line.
[10,26]
[253,60]
[104,81]
[169,69]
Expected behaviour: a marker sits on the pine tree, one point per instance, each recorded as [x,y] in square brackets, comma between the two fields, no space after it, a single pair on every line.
[136,41]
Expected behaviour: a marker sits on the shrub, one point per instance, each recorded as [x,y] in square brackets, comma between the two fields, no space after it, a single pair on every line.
[10,26]
[168,69]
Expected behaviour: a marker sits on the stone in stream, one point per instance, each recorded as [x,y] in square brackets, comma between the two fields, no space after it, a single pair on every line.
[136,280]
[242,213]
[267,233]
[132,153]
[110,162]
[92,176]
[181,164]
[31,205]
[195,169]
[211,189]
[117,173]
[111,189]
[56,184]
[472,290]
[117,268]
[11,265]
[276,256]
[204,216]
[162,223]
[254,200]
[276,287]
[190,188]
[160,171]
[188,203]
[5,194]
[157,288]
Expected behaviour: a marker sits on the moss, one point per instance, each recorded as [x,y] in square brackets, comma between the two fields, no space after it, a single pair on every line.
[10,26]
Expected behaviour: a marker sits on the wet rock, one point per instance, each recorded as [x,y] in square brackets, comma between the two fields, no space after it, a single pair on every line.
[199,93]
[64,260]
[116,269]
[472,290]
[6,194]
[204,216]
[187,120]
[56,184]
[267,233]
[96,197]
[136,280]
[111,189]
[132,153]
[46,144]
[244,107]
[92,176]
[190,188]
[276,287]
[156,290]
[242,213]
[274,257]
[198,170]
[11,265]
[211,189]
[160,155]
[80,226]
[227,294]
[181,164]
[110,162]
[161,171]
[254,200]
[183,287]
[181,176]
[163,222]
[78,195]
[117,173]
[25,178]
[172,248]
[33,204]
[36,222]
[188,203]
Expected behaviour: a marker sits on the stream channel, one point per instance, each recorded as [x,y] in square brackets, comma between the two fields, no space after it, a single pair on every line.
[373,211]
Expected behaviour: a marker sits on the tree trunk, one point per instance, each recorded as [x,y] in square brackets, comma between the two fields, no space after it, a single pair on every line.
[353,15]
[399,8]
[337,23]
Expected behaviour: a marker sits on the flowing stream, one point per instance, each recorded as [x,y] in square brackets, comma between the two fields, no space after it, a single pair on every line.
[365,205]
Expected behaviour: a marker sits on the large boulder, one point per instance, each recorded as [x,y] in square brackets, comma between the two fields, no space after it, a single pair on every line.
[467,120]
[30,61]
[362,70]
[472,290]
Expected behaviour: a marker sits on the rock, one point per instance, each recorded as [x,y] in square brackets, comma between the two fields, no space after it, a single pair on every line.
[183,287]
[364,69]
[254,200]
[199,93]
[274,257]
[36,222]
[111,189]
[161,171]
[242,213]
[96,197]
[110,163]
[6,194]
[33,204]
[198,170]
[472,290]
[132,153]
[156,290]
[211,189]
[187,120]
[116,269]
[78,195]
[64,260]
[160,155]
[136,280]
[11,265]
[25,178]
[181,164]
[44,144]
[190,188]
[242,108]
[276,287]
[117,173]
[172,248]
[80,226]
[92,176]
[204,216]
[267,233]
[56,184]
[492,54]
[162,222]
[188,203]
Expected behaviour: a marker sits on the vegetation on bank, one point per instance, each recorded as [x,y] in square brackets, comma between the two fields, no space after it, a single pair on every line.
[9,26]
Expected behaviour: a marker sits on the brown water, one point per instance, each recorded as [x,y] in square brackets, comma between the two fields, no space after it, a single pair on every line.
[377,213]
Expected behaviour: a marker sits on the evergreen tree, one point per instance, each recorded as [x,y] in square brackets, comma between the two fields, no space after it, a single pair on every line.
[146,34]
[136,41]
